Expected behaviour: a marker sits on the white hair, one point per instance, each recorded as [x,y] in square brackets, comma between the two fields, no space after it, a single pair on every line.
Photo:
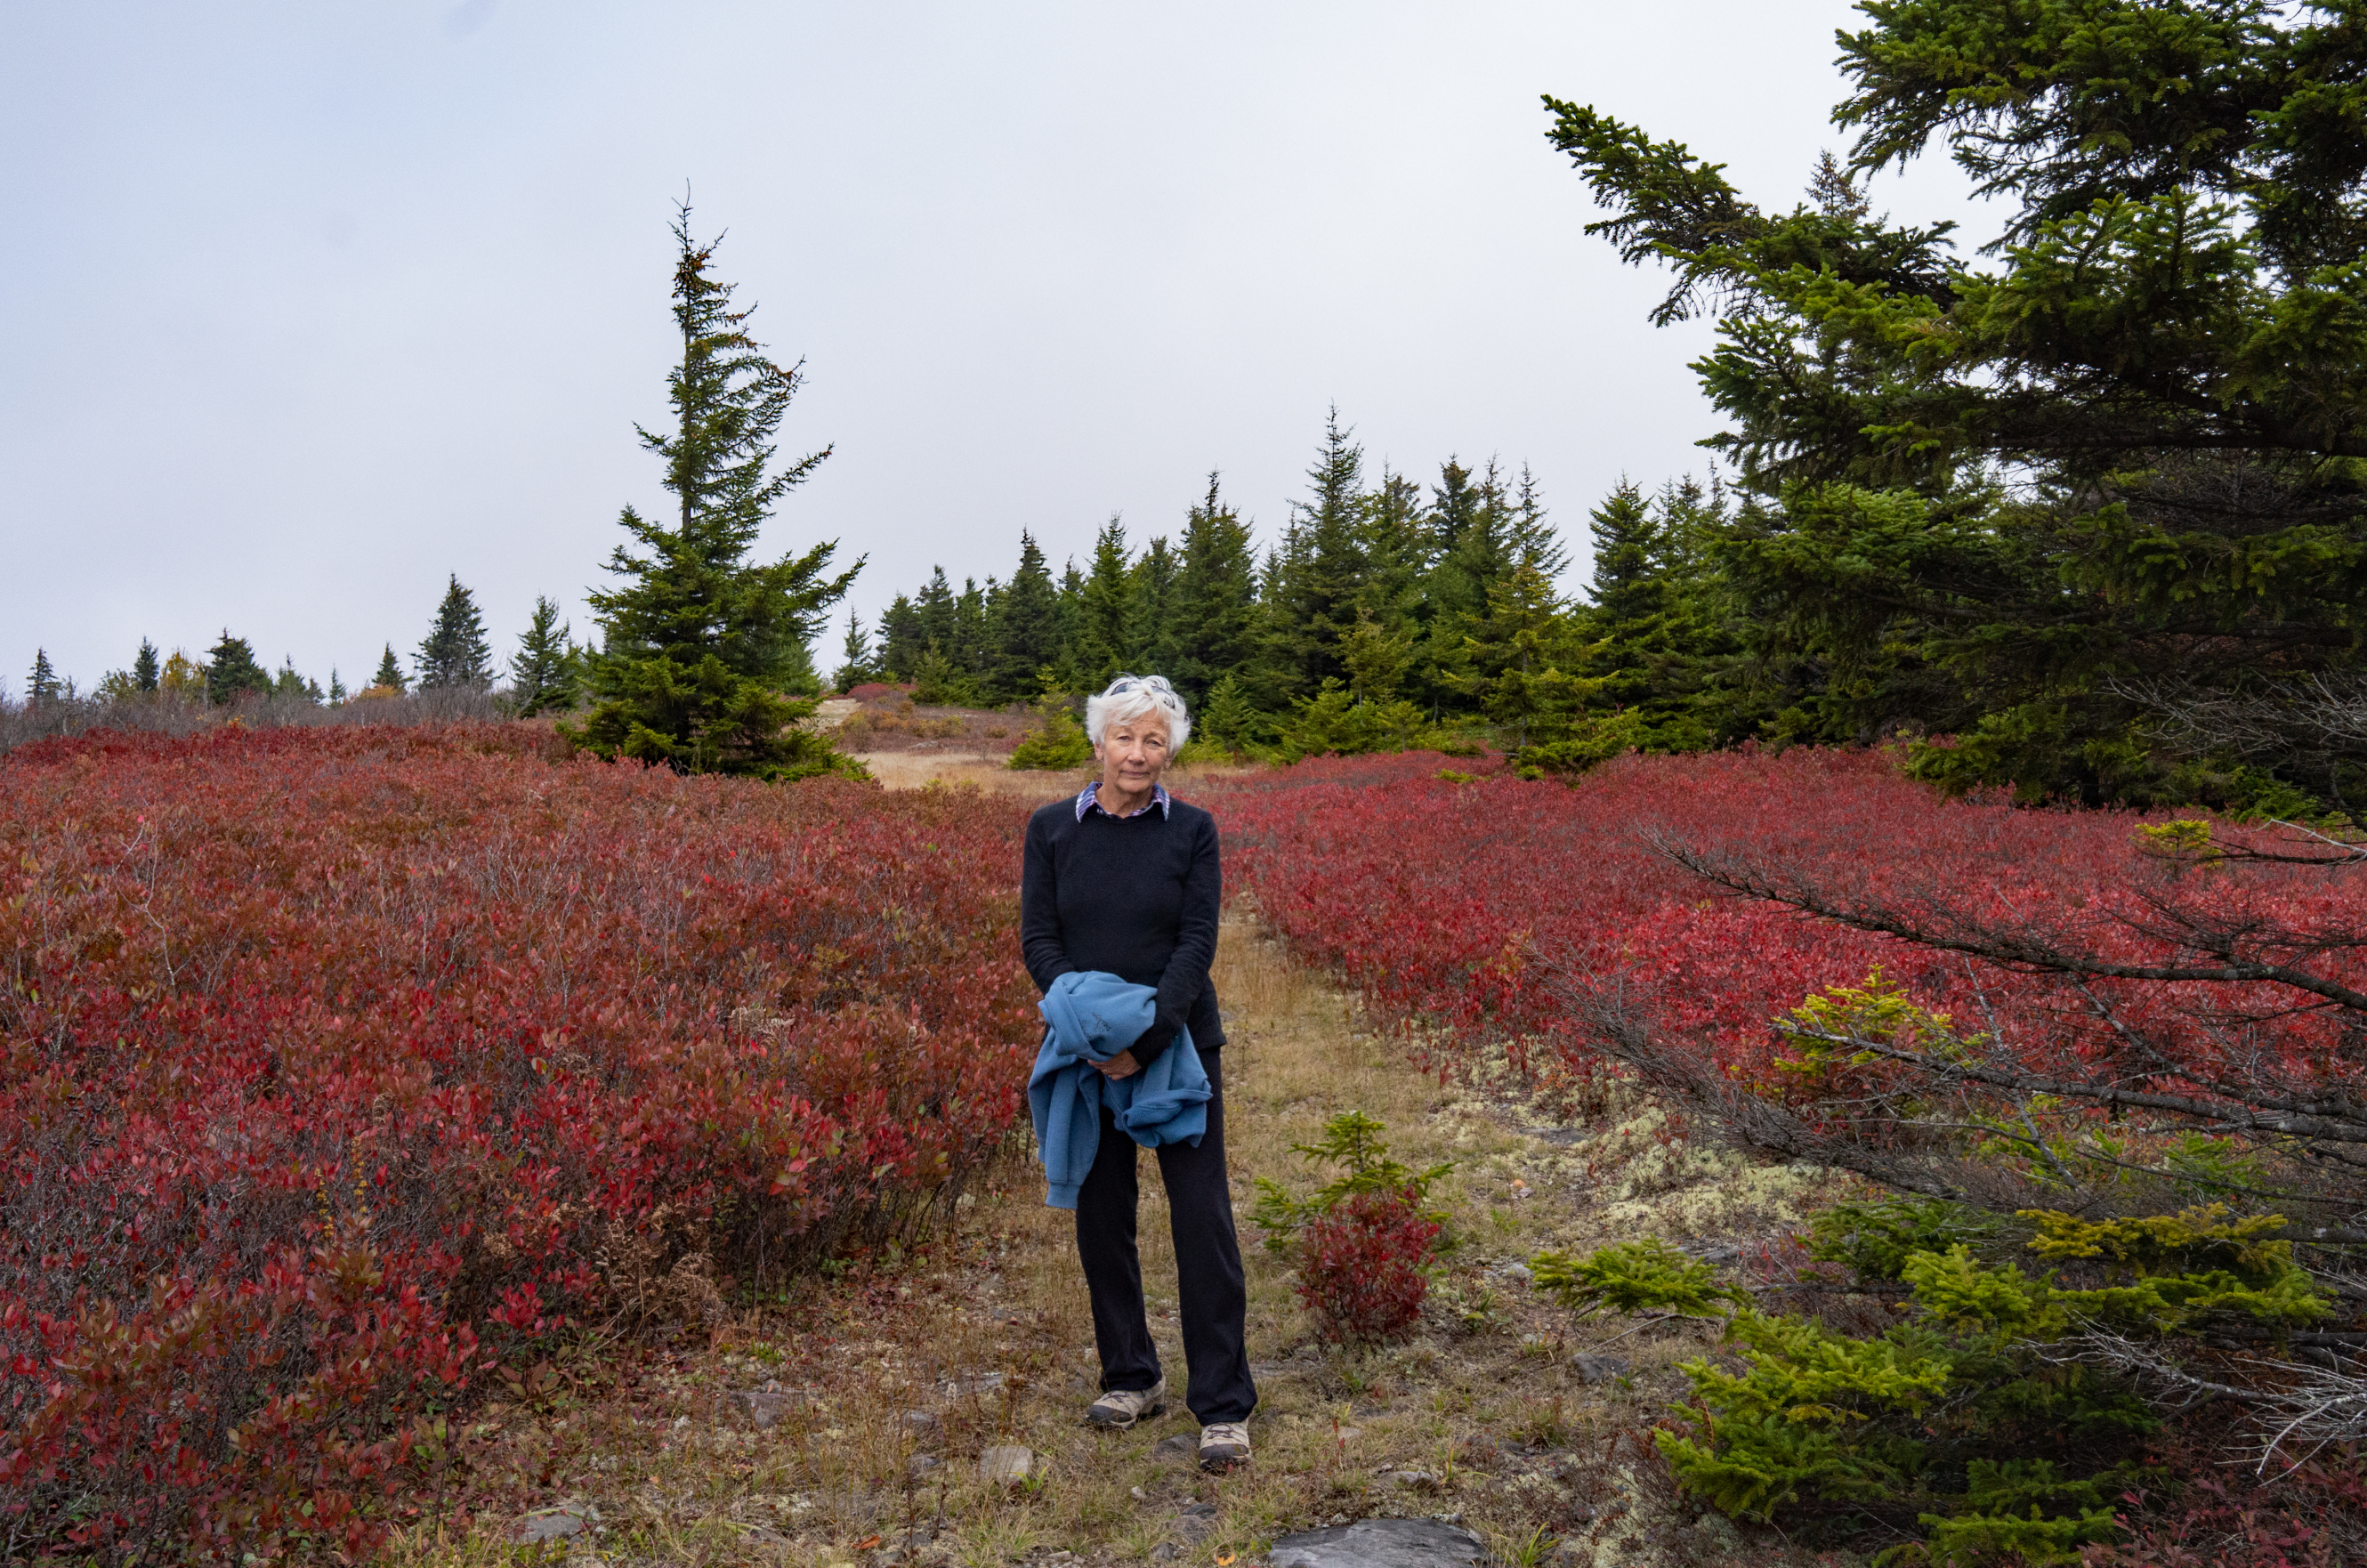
[1132,696]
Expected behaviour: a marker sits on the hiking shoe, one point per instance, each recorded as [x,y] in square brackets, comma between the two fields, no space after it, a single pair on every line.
[1121,1408]
[1224,1444]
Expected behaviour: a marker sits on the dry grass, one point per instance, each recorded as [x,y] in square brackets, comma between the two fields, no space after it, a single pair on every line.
[884,1388]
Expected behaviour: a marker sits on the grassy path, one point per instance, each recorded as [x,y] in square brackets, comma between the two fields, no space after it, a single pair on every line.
[849,1426]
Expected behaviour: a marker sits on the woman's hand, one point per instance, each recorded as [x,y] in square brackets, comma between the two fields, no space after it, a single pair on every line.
[1122,1065]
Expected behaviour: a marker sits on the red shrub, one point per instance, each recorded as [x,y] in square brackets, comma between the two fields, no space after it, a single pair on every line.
[1360,1268]
[1470,904]
[340,1065]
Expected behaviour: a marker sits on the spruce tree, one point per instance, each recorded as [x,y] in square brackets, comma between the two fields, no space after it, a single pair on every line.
[542,672]
[232,671]
[2103,474]
[900,638]
[145,666]
[1627,586]
[289,684]
[1656,637]
[1106,630]
[939,615]
[1530,540]
[337,692]
[1455,504]
[857,657]
[973,644]
[42,685]
[1215,600]
[1322,571]
[1152,587]
[1028,627]
[702,648]
[1072,621]
[1226,716]
[388,677]
[456,653]
[1520,658]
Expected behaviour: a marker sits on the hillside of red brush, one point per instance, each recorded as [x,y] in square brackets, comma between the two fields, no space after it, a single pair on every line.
[343,1065]
[1475,904]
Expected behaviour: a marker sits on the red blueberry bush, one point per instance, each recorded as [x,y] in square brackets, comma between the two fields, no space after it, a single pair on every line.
[1674,912]
[1361,1268]
[2147,1036]
[342,1066]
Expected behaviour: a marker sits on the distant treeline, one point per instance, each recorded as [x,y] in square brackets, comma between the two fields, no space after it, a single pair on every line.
[1392,612]
[544,671]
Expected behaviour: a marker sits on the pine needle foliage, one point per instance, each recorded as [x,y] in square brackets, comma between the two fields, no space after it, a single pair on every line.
[1057,744]
[1967,1420]
[1353,1141]
[704,665]
[542,672]
[233,671]
[455,654]
[390,676]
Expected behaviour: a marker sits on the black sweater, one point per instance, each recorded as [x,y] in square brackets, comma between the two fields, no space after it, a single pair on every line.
[1136,897]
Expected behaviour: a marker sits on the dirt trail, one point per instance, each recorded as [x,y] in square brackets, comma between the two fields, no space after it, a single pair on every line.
[849,1425]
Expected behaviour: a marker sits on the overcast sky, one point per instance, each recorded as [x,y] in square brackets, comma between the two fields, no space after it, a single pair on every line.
[303,307]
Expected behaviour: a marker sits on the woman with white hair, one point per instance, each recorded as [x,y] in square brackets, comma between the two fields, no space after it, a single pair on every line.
[1123,878]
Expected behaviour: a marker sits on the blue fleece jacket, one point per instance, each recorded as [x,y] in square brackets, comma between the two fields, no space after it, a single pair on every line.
[1091,1016]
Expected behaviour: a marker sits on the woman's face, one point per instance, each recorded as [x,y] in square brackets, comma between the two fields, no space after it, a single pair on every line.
[1134,752]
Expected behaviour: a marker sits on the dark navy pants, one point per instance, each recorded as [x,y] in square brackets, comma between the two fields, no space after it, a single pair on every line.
[1212,1295]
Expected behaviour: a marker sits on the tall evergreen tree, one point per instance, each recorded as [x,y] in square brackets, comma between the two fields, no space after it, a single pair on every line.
[2161,352]
[542,671]
[1470,553]
[1520,660]
[702,648]
[232,671]
[1028,627]
[900,638]
[859,661]
[1530,540]
[1322,573]
[456,653]
[1659,639]
[389,676]
[973,644]
[939,617]
[1455,506]
[1629,586]
[1105,629]
[1152,583]
[337,693]
[42,685]
[1072,623]
[1216,600]
[146,667]
[289,684]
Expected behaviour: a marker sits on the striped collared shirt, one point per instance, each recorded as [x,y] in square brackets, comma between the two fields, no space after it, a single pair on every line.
[1090,802]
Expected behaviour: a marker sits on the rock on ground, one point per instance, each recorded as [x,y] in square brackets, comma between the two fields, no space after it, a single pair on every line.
[1002,1466]
[1380,1543]
[556,1524]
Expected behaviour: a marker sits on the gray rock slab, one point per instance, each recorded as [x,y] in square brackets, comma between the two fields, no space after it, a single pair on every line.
[556,1524]
[762,1406]
[1182,1446]
[1380,1543]
[1003,1465]
[1595,1369]
[1195,1523]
